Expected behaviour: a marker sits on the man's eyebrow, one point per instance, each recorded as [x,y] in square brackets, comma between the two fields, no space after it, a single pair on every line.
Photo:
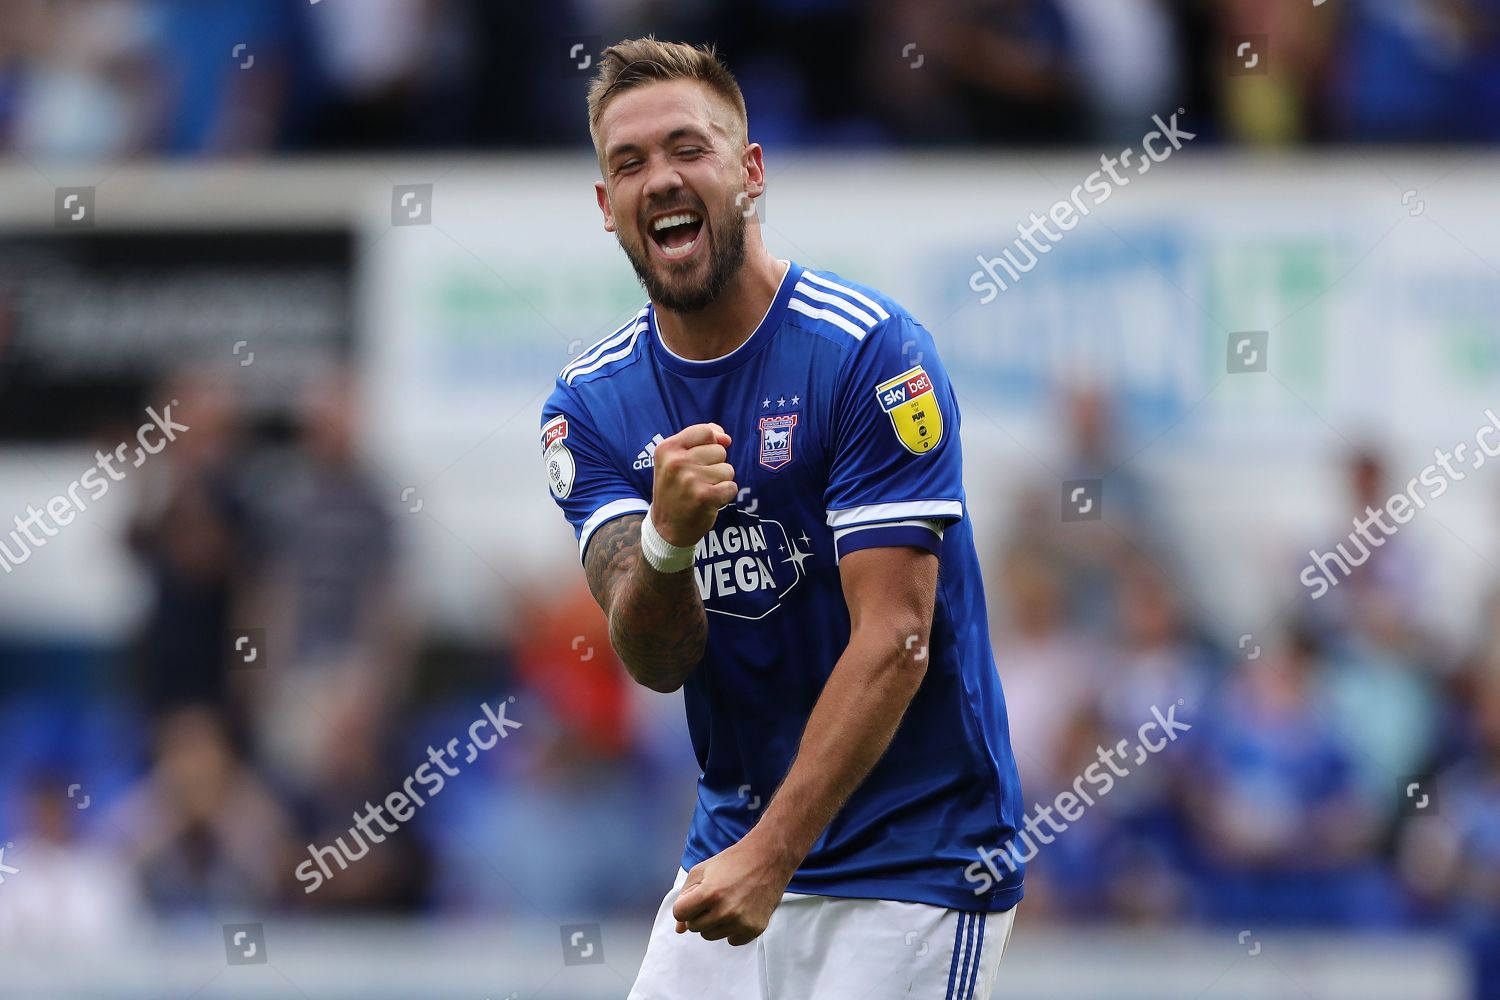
[683,132]
[686,132]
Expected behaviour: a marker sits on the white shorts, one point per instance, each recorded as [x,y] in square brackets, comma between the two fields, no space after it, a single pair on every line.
[831,948]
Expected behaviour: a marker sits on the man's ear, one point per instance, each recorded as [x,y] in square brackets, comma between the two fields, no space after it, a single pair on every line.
[754,164]
[602,194]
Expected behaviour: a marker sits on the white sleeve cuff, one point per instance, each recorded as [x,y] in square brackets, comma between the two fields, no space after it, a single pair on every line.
[952,510]
[610,511]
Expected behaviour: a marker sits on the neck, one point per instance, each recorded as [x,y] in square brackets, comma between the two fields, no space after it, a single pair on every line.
[729,320]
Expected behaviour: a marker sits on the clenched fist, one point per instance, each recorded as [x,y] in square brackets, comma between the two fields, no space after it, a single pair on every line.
[692,481]
[732,895]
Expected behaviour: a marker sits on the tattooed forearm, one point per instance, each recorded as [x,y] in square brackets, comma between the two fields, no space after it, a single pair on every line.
[656,620]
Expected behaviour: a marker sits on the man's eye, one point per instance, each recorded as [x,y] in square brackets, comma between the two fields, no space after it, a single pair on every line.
[627,165]
[689,151]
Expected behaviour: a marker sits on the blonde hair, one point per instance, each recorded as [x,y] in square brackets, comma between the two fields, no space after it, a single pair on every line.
[638,61]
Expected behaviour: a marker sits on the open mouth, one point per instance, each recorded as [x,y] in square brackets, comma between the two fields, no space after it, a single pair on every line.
[677,235]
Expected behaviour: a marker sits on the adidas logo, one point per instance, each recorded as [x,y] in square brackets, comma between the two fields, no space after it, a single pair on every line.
[648,453]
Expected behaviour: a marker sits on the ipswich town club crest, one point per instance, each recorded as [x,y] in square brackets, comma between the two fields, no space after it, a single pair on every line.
[776,440]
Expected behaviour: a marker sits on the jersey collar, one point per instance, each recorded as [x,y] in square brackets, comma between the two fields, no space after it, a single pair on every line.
[728,362]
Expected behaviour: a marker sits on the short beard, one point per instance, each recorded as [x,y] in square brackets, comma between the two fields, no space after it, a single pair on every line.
[725,261]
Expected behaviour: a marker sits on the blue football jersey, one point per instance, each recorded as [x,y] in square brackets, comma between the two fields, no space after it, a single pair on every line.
[845,436]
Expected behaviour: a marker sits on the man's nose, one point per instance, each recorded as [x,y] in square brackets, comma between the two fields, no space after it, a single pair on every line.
[662,180]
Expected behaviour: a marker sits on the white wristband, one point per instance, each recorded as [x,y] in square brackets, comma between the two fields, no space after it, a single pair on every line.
[663,556]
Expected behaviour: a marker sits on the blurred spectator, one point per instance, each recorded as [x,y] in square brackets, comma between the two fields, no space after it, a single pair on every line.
[1419,71]
[1156,659]
[192,532]
[1286,834]
[1091,552]
[542,104]
[225,72]
[20,32]
[1094,451]
[584,767]
[1125,64]
[1376,586]
[1121,858]
[335,628]
[1198,59]
[563,654]
[84,82]
[1049,671]
[1155,663]
[1280,104]
[205,835]
[392,68]
[70,891]
[1386,705]
[1004,71]
[1460,734]
[356,769]
[1451,857]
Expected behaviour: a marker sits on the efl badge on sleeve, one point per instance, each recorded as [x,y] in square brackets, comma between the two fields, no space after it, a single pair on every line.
[776,440]
[911,404]
[557,457]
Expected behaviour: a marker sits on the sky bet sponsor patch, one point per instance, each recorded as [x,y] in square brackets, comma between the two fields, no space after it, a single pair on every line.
[911,404]
[557,457]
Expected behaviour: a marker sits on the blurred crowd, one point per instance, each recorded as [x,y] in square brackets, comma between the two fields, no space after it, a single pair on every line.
[197,778]
[1343,769]
[100,79]
[188,773]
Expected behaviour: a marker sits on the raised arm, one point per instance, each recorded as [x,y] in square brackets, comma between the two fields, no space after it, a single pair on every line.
[656,620]
[657,624]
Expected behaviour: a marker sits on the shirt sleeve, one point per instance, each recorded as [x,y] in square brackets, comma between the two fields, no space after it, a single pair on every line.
[588,487]
[896,476]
